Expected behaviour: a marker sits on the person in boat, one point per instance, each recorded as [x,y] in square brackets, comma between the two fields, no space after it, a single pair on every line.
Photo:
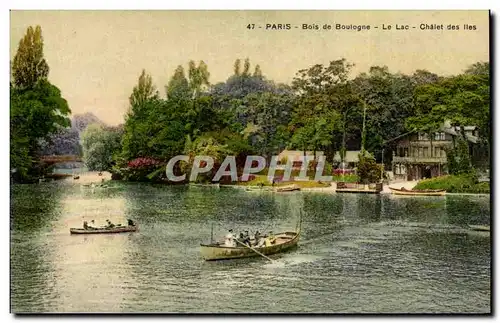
[85,225]
[257,238]
[130,223]
[270,240]
[110,225]
[230,239]
[246,238]
[92,226]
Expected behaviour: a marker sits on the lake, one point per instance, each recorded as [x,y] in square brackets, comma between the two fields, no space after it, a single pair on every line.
[357,254]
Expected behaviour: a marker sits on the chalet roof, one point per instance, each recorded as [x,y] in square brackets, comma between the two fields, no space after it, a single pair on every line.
[454,131]
[351,156]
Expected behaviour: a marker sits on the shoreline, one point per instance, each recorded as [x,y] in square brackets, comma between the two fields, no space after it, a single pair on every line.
[93,177]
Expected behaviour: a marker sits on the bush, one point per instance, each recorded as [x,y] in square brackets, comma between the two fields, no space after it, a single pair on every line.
[368,170]
[454,184]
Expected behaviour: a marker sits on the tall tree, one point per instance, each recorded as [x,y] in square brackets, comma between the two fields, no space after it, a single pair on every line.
[246,67]
[36,106]
[178,86]
[237,67]
[198,77]
[142,92]
[29,65]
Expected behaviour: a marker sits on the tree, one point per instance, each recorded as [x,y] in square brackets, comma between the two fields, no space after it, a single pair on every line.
[198,77]
[323,94]
[479,68]
[368,170]
[99,145]
[258,71]
[37,109]
[237,67]
[142,92]
[178,86]
[29,65]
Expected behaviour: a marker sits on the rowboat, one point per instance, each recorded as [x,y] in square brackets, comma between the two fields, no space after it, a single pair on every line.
[288,188]
[217,251]
[404,191]
[480,227]
[120,229]
[284,242]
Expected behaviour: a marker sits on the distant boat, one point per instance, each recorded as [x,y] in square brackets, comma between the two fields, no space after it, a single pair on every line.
[404,191]
[480,227]
[288,188]
[119,229]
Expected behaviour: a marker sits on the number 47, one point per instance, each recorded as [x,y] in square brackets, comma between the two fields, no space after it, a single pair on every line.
[251,26]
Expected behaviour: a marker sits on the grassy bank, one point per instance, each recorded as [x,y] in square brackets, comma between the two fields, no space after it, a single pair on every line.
[454,184]
[262,180]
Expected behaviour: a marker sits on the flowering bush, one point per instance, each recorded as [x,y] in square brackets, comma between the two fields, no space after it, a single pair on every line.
[143,162]
[340,171]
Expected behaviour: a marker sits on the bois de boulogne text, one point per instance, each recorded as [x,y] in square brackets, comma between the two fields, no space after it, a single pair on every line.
[354,27]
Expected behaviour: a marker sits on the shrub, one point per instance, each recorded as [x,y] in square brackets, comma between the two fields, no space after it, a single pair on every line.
[454,184]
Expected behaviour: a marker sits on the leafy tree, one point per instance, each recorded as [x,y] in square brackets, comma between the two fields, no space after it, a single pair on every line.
[368,170]
[99,145]
[178,86]
[29,65]
[198,77]
[37,109]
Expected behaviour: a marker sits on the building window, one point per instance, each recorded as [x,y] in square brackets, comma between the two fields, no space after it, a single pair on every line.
[403,169]
[420,152]
[439,136]
[437,151]
[443,152]
[397,170]
[426,151]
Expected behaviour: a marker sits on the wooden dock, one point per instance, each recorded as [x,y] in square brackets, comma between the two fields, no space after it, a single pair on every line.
[359,188]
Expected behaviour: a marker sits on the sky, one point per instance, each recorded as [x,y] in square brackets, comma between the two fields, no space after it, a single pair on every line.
[96,57]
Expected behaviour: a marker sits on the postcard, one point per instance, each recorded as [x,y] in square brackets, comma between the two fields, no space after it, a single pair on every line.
[250,162]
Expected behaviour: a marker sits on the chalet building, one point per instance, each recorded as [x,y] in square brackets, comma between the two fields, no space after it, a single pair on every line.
[296,157]
[351,158]
[417,156]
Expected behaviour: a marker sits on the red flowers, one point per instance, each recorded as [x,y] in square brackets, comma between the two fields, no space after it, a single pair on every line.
[341,171]
[143,162]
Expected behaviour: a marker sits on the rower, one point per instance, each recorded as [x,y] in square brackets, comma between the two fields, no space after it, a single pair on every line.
[246,238]
[85,225]
[230,239]
[257,237]
[131,223]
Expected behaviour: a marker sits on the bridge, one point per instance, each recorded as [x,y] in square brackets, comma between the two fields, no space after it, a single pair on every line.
[55,159]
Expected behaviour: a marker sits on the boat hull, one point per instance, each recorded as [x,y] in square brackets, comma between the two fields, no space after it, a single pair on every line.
[288,188]
[418,193]
[104,231]
[211,252]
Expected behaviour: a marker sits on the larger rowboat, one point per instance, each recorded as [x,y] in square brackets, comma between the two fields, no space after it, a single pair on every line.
[284,241]
[404,191]
[217,251]
[120,229]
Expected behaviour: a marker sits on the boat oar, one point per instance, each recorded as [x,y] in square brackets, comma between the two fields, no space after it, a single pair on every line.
[255,251]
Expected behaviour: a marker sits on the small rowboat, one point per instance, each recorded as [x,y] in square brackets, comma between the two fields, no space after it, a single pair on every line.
[480,227]
[288,188]
[120,229]
[404,191]
[217,251]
